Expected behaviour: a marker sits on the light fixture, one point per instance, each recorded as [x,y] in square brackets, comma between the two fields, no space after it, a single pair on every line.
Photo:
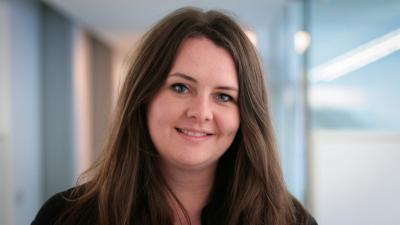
[357,58]
[302,41]
[252,37]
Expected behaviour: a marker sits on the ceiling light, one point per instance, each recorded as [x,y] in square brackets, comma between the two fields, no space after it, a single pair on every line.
[302,41]
[357,58]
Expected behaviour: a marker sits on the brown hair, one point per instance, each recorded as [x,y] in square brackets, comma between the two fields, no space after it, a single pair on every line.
[127,186]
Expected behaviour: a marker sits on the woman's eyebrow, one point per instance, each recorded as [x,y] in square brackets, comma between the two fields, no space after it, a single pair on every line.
[228,88]
[184,76]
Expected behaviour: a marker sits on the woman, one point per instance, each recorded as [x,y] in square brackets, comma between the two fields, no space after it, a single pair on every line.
[192,141]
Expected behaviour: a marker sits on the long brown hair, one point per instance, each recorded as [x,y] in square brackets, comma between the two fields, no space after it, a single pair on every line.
[127,186]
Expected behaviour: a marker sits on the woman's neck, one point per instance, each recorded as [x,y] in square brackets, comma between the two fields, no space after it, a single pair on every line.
[192,188]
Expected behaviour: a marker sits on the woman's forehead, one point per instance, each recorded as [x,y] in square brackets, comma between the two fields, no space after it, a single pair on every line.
[200,58]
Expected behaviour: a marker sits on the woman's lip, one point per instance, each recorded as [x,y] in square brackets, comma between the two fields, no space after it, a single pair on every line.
[194,131]
[191,137]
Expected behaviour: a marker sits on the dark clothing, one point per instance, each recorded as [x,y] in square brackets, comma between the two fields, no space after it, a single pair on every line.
[52,209]
[56,205]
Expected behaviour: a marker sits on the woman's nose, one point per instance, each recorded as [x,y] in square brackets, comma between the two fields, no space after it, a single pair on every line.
[200,108]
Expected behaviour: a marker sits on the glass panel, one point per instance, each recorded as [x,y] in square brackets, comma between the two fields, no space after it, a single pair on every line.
[354,83]
[355,64]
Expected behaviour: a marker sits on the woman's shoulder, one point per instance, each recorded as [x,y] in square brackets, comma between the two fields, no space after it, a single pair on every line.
[312,221]
[53,208]
[302,214]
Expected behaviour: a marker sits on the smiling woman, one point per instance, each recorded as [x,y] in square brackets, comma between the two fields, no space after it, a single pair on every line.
[192,141]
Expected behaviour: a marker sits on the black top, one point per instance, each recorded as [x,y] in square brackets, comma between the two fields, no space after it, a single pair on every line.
[55,206]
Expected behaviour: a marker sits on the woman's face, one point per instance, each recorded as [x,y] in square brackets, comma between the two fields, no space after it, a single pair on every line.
[194,117]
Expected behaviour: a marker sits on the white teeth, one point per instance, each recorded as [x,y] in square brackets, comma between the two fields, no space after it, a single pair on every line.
[195,134]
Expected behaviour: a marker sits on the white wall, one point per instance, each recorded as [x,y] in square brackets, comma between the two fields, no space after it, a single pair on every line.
[20,111]
[5,152]
[46,110]
[101,88]
[355,178]
[25,109]
[82,102]
[58,102]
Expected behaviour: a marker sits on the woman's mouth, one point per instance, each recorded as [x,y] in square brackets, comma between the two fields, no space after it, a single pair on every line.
[193,133]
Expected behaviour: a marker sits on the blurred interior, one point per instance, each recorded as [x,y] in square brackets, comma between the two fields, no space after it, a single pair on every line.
[333,78]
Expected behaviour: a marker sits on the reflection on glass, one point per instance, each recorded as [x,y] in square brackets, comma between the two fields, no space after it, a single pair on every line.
[354,103]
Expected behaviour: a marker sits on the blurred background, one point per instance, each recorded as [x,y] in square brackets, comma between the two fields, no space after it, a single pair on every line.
[333,78]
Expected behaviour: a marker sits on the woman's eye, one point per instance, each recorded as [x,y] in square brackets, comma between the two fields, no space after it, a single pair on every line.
[224,98]
[179,88]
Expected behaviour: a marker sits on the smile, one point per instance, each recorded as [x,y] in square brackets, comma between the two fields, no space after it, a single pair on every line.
[191,133]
